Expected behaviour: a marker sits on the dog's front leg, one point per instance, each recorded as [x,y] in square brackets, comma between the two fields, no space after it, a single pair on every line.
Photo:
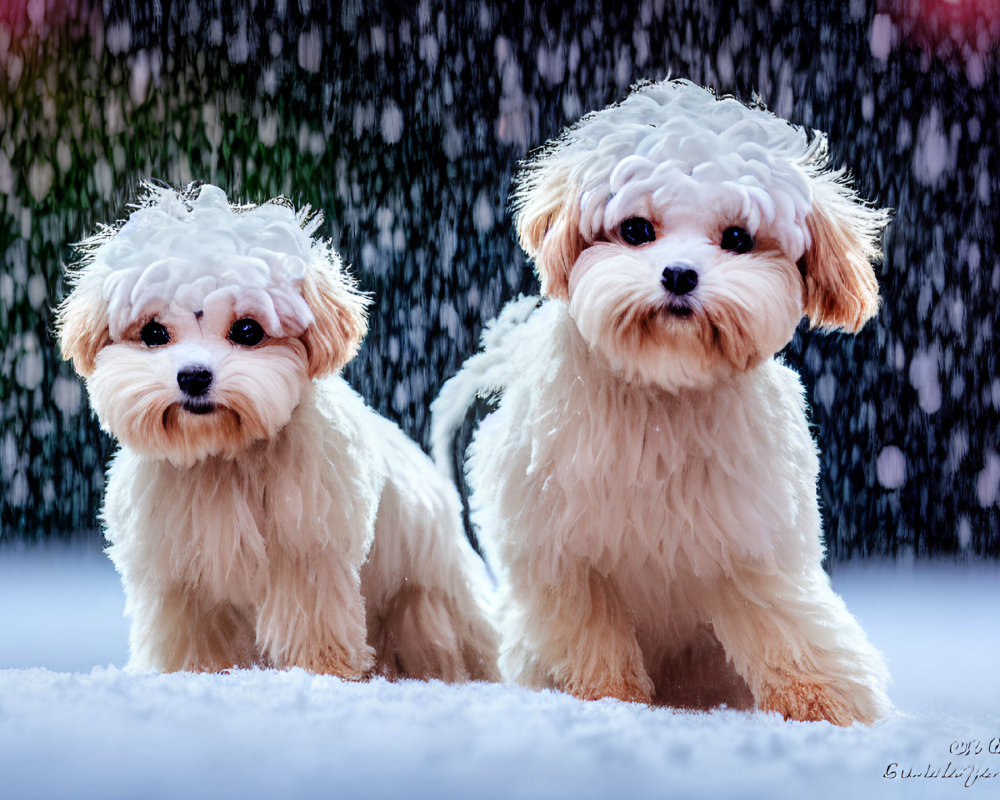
[798,648]
[314,616]
[178,628]
[577,636]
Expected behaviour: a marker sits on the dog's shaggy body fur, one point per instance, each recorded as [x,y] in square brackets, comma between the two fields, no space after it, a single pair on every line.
[267,517]
[646,488]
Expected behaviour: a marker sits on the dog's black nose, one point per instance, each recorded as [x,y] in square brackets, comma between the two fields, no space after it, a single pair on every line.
[194,382]
[679,280]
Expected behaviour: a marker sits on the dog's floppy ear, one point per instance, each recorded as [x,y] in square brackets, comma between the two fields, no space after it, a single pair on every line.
[547,219]
[82,325]
[840,287]
[340,318]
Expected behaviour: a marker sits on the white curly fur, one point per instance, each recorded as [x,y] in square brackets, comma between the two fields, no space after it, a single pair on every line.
[269,518]
[646,488]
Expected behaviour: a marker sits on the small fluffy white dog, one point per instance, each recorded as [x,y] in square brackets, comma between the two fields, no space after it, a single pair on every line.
[257,514]
[646,487]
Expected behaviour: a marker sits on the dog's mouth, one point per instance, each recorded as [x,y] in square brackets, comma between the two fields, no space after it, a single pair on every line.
[677,308]
[198,406]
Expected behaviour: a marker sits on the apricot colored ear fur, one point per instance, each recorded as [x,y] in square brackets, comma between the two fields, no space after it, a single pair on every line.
[547,218]
[82,326]
[340,320]
[840,287]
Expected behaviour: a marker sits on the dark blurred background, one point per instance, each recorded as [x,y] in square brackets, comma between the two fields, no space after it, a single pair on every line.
[404,124]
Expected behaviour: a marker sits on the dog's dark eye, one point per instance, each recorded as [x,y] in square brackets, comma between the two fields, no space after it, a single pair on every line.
[636,231]
[246,332]
[153,334]
[736,240]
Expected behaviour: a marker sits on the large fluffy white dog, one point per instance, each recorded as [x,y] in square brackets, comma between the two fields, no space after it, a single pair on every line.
[646,488]
[258,514]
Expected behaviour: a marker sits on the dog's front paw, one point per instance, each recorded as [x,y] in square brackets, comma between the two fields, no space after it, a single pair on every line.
[633,686]
[811,701]
[349,666]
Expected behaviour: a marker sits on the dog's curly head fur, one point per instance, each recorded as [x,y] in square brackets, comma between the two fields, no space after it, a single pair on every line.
[690,234]
[197,323]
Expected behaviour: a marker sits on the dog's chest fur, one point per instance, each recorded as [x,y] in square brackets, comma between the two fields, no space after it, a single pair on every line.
[662,492]
[219,527]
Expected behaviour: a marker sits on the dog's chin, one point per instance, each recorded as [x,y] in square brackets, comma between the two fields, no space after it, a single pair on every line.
[673,344]
[678,345]
[187,432]
[192,431]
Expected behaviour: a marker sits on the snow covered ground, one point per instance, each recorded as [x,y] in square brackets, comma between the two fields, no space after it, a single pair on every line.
[73,724]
